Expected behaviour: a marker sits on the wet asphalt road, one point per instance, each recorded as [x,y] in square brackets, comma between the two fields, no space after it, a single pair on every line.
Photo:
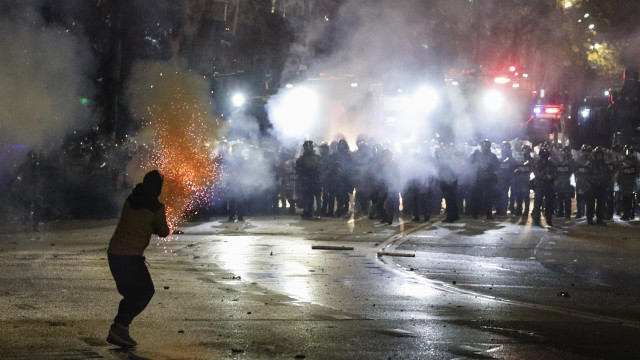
[472,290]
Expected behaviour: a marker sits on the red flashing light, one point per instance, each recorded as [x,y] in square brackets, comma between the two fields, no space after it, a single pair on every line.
[552,110]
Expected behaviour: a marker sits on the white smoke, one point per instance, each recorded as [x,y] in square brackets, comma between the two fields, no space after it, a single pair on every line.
[43,72]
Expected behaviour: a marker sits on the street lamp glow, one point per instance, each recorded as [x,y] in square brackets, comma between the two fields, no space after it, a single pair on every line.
[568,4]
[591,26]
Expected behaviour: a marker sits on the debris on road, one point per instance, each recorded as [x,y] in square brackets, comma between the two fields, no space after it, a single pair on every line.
[327,247]
[384,253]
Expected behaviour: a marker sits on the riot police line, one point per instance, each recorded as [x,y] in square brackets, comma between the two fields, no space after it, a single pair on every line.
[418,181]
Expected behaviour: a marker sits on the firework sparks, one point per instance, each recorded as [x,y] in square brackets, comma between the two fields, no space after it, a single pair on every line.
[175,108]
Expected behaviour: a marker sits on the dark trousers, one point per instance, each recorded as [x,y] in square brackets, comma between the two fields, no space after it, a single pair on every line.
[596,203]
[627,203]
[522,201]
[309,197]
[342,198]
[563,202]
[134,284]
[544,199]
[450,199]
[502,199]
[363,196]
[328,201]
[483,195]
[237,207]
[581,204]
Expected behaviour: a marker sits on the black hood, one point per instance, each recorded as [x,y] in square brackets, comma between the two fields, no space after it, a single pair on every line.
[145,195]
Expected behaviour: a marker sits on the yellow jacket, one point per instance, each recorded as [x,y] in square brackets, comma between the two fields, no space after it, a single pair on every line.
[134,230]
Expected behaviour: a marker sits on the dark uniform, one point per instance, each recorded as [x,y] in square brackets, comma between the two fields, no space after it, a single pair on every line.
[327,171]
[343,177]
[627,176]
[448,180]
[545,172]
[308,171]
[564,190]
[486,166]
[582,180]
[598,184]
[362,160]
[505,175]
[384,194]
[521,183]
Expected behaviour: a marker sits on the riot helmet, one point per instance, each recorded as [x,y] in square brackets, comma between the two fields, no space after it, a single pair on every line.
[307,145]
[485,146]
[544,152]
[505,148]
[324,148]
[598,153]
[343,146]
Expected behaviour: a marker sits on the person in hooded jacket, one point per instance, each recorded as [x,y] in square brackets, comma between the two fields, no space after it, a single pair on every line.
[142,216]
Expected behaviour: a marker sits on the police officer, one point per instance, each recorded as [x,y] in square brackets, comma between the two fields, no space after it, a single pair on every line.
[448,181]
[564,190]
[238,168]
[384,194]
[598,184]
[308,171]
[362,160]
[521,183]
[343,163]
[626,176]
[582,180]
[545,173]
[505,174]
[327,171]
[486,166]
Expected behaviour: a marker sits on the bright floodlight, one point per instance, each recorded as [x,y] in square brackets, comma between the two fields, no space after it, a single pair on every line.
[238,100]
[295,113]
[425,100]
[493,100]
[585,113]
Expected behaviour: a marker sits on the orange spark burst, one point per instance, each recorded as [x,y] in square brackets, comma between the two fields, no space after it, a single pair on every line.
[182,127]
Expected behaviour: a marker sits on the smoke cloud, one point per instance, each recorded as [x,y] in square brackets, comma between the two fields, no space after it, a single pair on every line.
[44,76]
